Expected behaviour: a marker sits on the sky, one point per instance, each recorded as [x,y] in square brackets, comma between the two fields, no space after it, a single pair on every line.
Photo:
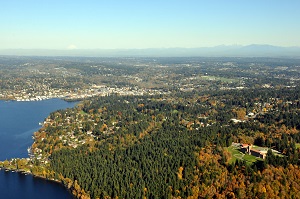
[137,24]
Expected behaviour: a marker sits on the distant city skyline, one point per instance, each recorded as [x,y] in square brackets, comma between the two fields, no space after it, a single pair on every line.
[124,24]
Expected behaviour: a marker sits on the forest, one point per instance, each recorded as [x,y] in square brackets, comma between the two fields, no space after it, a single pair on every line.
[176,146]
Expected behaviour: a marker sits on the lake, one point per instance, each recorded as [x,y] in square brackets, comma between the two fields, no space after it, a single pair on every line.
[18,122]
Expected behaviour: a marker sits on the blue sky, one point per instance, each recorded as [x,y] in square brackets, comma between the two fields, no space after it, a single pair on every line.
[126,24]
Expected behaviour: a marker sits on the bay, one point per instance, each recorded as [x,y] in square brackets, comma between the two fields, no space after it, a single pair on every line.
[18,122]
[17,185]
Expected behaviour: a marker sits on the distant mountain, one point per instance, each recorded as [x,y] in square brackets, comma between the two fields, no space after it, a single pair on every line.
[268,51]
[217,51]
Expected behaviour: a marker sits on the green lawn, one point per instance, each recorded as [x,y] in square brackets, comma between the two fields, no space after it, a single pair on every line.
[250,158]
[236,154]
[83,113]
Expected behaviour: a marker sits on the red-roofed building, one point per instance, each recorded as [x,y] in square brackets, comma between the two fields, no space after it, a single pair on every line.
[246,148]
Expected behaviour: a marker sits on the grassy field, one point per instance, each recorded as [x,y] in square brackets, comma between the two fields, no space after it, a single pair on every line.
[297,145]
[250,158]
[236,154]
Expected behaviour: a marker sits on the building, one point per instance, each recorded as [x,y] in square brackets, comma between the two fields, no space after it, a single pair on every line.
[246,148]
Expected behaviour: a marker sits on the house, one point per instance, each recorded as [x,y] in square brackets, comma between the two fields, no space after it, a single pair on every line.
[257,153]
[246,148]
[235,120]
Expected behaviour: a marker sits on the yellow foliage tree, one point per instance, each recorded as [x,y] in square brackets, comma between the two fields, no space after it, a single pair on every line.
[179,174]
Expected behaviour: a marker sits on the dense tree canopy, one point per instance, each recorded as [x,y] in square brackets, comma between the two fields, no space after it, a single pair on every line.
[175,146]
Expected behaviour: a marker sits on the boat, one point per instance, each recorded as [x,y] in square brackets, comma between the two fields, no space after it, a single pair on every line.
[29,151]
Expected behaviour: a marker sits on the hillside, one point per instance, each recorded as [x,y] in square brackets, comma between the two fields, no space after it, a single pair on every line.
[175,146]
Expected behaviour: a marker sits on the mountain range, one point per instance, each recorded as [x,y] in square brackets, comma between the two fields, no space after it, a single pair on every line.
[253,50]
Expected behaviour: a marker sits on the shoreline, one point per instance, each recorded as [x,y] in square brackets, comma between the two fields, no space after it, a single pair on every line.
[37,100]
[11,166]
[23,172]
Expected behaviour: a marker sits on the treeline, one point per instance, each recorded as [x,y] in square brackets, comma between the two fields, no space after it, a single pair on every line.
[164,147]
[145,169]
[159,166]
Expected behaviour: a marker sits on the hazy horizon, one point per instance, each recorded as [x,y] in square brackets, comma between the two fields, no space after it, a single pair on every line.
[217,51]
[116,24]
[178,47]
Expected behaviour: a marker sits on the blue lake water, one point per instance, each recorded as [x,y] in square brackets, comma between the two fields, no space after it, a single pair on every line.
[18,122]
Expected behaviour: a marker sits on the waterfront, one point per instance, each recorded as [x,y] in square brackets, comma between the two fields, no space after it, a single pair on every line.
[16,185]
[19,120]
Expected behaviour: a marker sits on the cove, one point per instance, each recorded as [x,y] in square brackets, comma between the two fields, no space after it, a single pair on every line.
[18,122]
